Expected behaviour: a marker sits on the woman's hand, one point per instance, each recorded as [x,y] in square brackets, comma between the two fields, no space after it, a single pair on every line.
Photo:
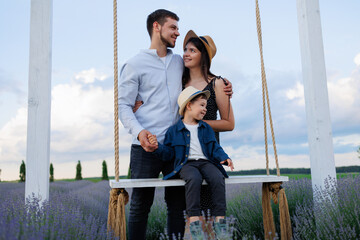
[229,164]
[137,105]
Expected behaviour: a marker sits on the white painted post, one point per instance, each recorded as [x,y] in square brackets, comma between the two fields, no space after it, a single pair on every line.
[316,95]
[39,101]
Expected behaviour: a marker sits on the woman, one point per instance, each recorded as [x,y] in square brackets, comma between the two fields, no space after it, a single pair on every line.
[198,53]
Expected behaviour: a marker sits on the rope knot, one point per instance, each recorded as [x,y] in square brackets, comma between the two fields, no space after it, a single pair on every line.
[275,188]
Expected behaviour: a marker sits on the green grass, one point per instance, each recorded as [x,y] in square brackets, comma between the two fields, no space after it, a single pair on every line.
[338,175]
[91,179]
[297,176]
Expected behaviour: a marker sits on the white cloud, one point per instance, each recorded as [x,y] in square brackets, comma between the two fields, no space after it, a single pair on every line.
[347,140]
[90,76]
[357,59]
[297,94]
[344,99]
[248,157]
[13,138]
[346,159]
[81,128]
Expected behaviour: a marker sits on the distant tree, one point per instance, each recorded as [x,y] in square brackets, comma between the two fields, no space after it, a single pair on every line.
[51,172]
[104,171]
[358,152]
[129,173]
[0,175]
[78,171]
[22,171]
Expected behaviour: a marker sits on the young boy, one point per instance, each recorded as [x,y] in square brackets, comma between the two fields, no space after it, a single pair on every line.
[191,144]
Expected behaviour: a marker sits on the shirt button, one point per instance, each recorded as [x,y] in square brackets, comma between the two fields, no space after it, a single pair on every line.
[182,164]
[187,145]
[188,135]
[174,171]
[185,155]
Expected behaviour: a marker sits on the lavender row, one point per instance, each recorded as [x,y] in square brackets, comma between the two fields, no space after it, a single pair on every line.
[78,210]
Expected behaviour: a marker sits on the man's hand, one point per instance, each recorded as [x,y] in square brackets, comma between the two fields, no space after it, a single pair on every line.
[229,163]
[228,88]
[144,141]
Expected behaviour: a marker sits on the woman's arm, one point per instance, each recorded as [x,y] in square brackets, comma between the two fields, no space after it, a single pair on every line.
[227,121]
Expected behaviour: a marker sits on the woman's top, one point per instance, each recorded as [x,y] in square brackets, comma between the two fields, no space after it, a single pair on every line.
[211,106]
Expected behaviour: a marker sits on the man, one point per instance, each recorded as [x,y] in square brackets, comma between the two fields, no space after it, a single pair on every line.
[153,76]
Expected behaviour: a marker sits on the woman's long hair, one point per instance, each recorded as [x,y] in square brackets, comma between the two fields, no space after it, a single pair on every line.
[204,62]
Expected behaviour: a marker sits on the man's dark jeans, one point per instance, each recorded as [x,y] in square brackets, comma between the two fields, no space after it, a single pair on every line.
[147,165]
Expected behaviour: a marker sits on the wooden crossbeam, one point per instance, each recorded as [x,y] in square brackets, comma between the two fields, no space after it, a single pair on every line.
[158,182]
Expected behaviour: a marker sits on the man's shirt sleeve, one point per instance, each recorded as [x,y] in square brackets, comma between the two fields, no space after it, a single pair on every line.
[128,91]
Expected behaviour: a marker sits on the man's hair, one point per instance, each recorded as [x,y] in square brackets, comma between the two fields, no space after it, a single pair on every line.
[159,16]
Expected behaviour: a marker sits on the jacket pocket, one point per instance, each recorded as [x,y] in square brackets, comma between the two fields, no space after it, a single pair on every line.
[178,142]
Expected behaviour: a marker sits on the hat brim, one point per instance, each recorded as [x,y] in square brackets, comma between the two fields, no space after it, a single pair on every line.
[182,107]
[191,34]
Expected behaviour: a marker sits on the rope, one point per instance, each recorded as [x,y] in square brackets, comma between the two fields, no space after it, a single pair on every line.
[116,224]
[116,95]
[277,193]
[265,94]
[268,218]
[118,197]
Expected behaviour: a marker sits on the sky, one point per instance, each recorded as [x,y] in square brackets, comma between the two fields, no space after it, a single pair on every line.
[82,78]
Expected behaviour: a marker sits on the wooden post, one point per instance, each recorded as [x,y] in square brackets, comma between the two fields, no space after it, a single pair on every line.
[316,95]
[39,101]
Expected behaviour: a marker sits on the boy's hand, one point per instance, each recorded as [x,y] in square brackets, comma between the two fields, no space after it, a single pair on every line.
[146,145]
[229,163]
[153,141]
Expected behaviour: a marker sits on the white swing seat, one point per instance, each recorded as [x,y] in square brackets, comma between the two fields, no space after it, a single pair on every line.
[158,182]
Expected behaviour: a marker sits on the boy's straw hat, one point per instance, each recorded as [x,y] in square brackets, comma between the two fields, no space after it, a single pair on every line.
[187,95]
[206,40]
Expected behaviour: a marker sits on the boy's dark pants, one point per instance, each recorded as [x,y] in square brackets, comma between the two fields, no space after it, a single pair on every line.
[146,165]
[193,172]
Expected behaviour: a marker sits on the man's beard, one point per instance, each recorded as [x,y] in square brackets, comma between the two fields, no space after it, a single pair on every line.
[166,42]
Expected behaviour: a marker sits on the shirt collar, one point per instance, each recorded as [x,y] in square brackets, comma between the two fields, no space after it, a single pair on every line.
[154,53]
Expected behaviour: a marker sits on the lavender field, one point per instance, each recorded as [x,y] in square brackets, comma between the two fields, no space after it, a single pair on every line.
[78,210]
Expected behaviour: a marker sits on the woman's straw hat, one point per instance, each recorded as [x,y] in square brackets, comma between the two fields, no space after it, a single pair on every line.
[206,40]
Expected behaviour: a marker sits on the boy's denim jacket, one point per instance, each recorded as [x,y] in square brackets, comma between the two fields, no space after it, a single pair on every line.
[177,145]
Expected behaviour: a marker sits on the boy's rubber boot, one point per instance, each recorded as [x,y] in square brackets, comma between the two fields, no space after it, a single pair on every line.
[196,231]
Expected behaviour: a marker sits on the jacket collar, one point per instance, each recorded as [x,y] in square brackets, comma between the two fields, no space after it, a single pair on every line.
[180,125]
